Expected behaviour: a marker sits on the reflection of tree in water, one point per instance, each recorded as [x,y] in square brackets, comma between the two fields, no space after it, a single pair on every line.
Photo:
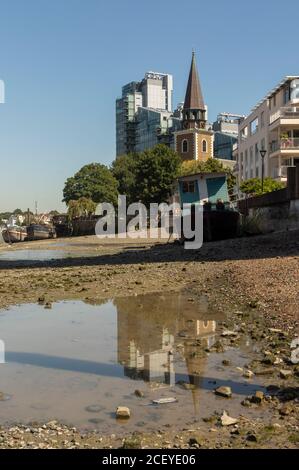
[98,302]
[150,327]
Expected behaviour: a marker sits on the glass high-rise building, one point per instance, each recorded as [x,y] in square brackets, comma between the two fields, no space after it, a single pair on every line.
[144,113]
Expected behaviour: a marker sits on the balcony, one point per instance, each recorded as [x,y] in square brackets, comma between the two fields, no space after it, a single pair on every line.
[285,145]
[286,115]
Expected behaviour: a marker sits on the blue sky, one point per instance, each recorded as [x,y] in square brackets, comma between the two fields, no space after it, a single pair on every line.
[64,62]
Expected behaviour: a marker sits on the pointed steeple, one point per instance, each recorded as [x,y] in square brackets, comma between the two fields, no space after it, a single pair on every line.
[194,99]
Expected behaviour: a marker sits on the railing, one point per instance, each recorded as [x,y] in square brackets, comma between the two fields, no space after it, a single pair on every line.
[288,112]
[285,144]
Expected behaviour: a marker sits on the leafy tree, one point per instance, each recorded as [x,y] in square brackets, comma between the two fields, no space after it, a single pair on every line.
[17,212]
[212,165]
[253,186]
[123,169]
[82,207]
[155,172]
[94,181]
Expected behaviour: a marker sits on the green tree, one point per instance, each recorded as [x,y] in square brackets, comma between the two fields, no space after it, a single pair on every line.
[123,169]
[212,165]
[94,181]
[17,212]
[82,207]
[253,186]
[155,172]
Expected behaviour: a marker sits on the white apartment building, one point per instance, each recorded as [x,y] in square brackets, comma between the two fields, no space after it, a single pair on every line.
[273,125]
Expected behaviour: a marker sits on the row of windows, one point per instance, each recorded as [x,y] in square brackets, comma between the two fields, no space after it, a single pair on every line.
[253,150]
[185,146]
[254,126]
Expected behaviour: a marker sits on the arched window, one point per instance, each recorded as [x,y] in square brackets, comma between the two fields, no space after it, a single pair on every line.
[204,145]
[185,146]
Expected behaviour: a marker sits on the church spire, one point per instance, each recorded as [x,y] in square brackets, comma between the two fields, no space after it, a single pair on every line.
[194,99]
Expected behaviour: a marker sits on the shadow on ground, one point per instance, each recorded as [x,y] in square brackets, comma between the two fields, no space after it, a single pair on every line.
[282,244]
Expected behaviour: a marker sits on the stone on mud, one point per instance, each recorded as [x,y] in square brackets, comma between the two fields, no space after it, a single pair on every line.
[123,412]
[227,420]
[225,392]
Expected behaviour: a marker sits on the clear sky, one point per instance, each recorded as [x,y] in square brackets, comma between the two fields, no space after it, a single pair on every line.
[64,62]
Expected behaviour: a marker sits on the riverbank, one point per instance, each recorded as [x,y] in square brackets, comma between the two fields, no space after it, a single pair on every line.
[241,277]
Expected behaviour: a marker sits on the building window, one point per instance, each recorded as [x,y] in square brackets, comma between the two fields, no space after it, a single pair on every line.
[254,126]
[244,133]
[294,90]
[188,187]
[204,146]
[185,146]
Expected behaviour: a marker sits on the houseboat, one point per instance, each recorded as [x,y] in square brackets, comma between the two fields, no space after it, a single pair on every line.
[14,234]
[40,232]
[209,190]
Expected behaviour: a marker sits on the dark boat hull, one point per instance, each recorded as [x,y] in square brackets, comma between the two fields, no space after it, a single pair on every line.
[11,235]
[36,232]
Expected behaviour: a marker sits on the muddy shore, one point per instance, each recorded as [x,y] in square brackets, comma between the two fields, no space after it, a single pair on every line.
[257,275]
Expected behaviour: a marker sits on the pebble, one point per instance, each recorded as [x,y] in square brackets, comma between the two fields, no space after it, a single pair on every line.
[285,374]
[225,392]
[227,420]
[123,412]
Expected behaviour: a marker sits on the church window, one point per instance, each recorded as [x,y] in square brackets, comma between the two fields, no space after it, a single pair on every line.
[185,146]
[204,146]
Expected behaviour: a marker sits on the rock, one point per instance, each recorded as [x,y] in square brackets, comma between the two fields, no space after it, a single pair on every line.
[251,437]
[248,374]
[48,305]
[229,333]
[139,393]
[227,420]
[194,442]
[277,361]
[225,362]
[265,371]
[164,401]
[246,403]
[225,392]
[275,330]
[122,412]
[285,410]
[132,442]
[257,398]
[285,374]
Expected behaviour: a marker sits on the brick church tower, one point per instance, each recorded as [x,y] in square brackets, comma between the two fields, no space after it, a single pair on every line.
[194,141]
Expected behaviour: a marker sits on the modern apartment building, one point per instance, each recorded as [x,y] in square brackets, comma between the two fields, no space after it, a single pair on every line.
[273,125]
[226,129]
[142,112]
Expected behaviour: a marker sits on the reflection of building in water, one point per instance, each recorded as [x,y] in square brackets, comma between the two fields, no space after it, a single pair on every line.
[147,329]
[155,365]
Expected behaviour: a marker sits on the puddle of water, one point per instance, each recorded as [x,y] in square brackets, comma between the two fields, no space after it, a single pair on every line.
[77,362]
